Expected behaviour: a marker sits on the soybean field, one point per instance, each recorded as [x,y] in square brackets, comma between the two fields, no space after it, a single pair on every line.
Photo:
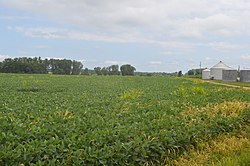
[112,120]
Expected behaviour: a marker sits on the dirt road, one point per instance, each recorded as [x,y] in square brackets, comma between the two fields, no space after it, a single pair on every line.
[228,85]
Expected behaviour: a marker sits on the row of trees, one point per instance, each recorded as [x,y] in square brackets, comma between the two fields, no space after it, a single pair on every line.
[175,74]
[114,70]
[194,71]
[40,66]
[59,66]
[63,66]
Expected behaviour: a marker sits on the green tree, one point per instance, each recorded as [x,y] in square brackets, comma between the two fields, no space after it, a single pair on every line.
[105,71]
[127,70]
[195,71]
[77,67]
[61,66]
[179,74]
[85,71]
[113,70]
[57,67]
[190,72]
[66,66]
[98,70]
[37,65]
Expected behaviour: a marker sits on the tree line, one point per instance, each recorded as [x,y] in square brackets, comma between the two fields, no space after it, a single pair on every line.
[173,74]
[196,73]
[37,65]
[126,69]
[40,66]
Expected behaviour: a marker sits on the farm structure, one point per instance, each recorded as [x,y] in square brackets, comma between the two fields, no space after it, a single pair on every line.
[217,70]
[245,75]
[206,74]
[220,71]
[229,75]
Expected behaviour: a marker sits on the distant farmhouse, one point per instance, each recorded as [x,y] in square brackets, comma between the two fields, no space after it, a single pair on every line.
[223,72]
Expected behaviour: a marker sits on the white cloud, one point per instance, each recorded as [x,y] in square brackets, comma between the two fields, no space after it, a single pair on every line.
[246,57]
[189,19]
[41,47]
[168,53]
[22,52]
[113,62]
[221,24]
[2,57]
[60,33]
[154,62]
[208,58]
[60,58]
[176,26]
[178,51]
[10,17]
[223,46]
[108,62]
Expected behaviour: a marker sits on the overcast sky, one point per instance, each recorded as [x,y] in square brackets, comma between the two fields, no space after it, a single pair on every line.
[152,35]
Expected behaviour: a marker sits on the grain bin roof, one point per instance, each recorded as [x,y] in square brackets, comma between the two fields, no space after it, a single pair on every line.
[222,65]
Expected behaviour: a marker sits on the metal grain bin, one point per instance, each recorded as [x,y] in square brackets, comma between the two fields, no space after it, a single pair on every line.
[245,75]
[229,75]
[206,74]
[216,70]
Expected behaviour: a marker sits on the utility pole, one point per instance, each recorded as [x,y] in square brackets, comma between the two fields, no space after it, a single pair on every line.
[238,72]
[200,68]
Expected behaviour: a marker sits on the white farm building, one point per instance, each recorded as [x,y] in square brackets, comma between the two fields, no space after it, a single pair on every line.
[220,71]
[217,70]
[223,72]
[206,74]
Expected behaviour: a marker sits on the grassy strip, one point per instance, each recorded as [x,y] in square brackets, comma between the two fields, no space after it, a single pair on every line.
[235,159]
[199,80]
[228,149]
[242,84]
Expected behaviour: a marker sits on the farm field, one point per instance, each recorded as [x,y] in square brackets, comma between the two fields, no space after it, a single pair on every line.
[114,120]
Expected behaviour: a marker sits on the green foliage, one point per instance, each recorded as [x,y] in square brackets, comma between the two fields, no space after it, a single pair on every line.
[39,66]
[131,94]
[235,159]
[77,120]
[195,71]
[98,70]
[113,70]
[127,70]
[86,71]
[186,91]
[179,74]
[110,70]
[76,67]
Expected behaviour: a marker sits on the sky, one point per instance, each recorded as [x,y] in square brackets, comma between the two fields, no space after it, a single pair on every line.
[151,35]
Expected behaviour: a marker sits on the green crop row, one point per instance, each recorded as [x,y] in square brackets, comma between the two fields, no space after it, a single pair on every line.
[88,120]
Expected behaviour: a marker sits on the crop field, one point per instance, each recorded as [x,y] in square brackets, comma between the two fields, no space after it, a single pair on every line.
[112,120]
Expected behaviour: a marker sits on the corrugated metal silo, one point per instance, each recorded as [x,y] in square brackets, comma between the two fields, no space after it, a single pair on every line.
[229,75]
[206,74]
[245,75]
[216,70]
